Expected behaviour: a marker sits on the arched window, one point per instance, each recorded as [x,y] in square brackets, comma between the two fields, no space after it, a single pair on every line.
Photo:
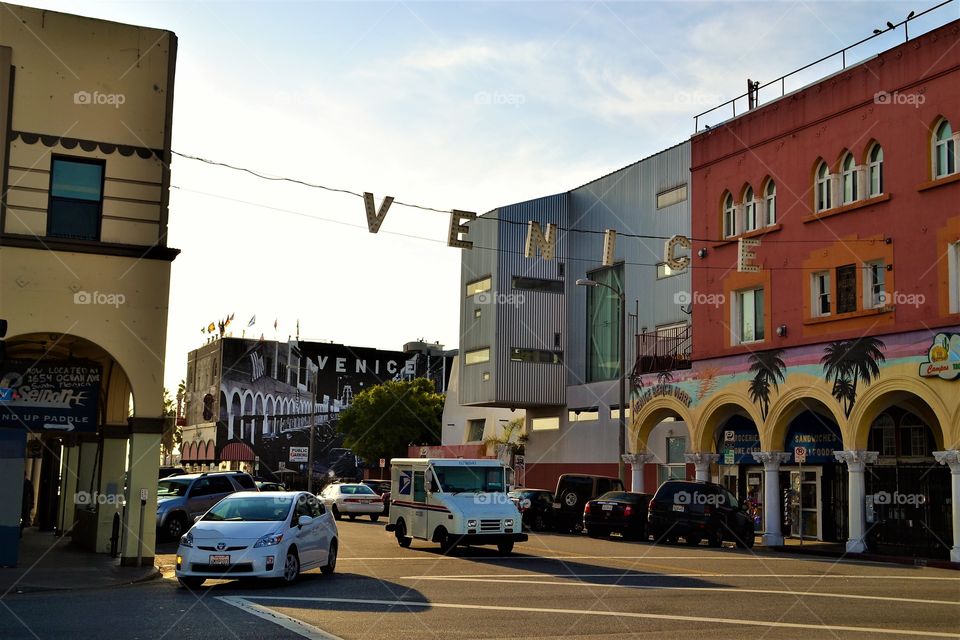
[875,170]
[944,154]
[823,187]
[749,210]
[729,217]
[849,179]
[770,194]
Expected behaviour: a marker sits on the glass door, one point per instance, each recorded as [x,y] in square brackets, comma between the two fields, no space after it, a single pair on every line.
[805,503]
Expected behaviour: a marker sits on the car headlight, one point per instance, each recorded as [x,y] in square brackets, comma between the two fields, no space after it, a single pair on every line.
[269,540]
[471,523]
[508,524]
[186,540]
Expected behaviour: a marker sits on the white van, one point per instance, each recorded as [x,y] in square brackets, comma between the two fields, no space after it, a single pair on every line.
[453,501]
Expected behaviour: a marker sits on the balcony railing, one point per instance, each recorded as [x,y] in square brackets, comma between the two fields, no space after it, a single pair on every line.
[663,350]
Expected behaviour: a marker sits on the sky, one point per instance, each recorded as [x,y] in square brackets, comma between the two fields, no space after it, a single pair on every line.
[465,105]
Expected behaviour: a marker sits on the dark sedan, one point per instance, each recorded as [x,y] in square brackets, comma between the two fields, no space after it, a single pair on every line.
[617,511]
[382,489]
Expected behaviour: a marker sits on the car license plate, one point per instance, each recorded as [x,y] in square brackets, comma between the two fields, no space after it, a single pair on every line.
[608,507]
[678,507]
[223,560]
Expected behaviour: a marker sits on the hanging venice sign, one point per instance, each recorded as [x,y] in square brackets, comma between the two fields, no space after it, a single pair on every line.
[49,396]
[943,357]
[544,241]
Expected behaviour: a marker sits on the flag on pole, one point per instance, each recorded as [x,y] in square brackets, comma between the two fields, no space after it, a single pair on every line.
[211,328]
[253,321]
[298,328]
[274,325]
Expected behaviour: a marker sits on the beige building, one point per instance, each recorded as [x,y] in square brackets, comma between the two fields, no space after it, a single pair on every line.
[85,126]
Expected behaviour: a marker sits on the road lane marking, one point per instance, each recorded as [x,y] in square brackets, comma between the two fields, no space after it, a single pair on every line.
[291,624]
[614,614]
[798,594]
[687,575]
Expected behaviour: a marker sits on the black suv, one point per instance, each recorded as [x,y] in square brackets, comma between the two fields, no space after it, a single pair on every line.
[696,511]
[574,490]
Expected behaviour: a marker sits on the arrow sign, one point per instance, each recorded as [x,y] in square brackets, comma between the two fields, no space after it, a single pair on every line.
[59,427]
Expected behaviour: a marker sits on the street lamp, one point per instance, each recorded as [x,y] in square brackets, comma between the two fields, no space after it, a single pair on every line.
[621,441]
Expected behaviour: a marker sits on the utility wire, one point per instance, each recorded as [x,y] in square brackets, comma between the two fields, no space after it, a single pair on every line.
[620,234]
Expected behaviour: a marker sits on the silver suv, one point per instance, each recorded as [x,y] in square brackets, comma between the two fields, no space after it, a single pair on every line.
[182,498]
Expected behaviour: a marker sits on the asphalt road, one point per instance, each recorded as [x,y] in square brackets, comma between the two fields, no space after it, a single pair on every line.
[553,586]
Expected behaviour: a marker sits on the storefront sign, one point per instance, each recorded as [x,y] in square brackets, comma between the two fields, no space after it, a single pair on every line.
[658,390]
[943,359]
[739,443]
[818,440]
[49,396]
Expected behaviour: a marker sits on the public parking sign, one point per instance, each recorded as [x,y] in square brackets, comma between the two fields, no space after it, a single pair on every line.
[800,454]
[299,454]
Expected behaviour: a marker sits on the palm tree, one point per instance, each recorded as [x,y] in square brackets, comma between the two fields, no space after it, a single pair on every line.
[849,362]
[664,377]
[509,442]
[768,369]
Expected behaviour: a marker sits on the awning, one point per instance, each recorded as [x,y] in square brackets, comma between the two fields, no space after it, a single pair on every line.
[237,452]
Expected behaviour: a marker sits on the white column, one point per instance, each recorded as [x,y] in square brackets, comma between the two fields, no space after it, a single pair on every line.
[856,462]
[702,461]
[952,459]
[637,461]
[771,460]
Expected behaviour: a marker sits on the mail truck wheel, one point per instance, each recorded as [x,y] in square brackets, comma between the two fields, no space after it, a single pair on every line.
[401,533]
[505,548]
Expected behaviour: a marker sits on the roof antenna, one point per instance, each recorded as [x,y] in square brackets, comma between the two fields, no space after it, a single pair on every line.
[753,93]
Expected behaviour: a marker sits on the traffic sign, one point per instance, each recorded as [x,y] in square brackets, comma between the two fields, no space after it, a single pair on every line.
[800,454]
[729,436]
[383,462]
[728,456]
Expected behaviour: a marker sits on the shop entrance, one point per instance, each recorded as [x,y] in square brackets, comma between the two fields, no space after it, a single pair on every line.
[805,492]
[736,441]
[813,493]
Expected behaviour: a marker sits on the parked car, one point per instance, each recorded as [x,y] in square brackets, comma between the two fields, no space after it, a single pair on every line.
[259,535]
[622,512]
[265,485]
[535,507]
[170,471]
[180,499]
[573,492]
[352,500]
[383,489]
[697,510]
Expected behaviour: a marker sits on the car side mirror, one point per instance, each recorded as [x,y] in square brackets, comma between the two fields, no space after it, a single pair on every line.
[304,520]
[431,486]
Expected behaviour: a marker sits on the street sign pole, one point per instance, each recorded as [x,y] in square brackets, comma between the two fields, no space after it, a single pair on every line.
[313,430]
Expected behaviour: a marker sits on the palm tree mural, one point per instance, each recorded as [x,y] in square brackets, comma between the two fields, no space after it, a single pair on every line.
[849,362]
[768,369]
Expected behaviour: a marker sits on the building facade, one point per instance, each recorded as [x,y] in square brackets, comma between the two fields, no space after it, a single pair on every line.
[249,404]
[85,147]
[533,339]
[826,307]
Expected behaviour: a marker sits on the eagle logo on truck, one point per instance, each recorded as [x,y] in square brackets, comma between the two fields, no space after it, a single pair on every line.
[405,479]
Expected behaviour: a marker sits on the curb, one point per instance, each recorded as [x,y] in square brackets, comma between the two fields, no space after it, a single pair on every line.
[870,557]
[28,588]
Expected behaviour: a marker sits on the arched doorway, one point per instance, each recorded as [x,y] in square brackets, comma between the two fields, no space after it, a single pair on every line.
[907,492]
[814,484]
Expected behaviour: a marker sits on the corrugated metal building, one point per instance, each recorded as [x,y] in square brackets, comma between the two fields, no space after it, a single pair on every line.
[531,338]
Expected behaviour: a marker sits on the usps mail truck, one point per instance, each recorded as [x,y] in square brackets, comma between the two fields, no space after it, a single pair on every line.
[453,502]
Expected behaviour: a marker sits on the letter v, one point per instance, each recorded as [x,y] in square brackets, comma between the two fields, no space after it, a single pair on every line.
[375,217]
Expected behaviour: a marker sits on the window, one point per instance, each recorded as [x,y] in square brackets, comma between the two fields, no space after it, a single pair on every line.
[479,286]
[875,170]
[672,196]
[821,294]
[823,187]
[615,413]
[664,271]
[538,284]
[76,199]
[771,202]
[913,437]
[545,424]
[729,217]
[874,294]
[944,153]
[883,436]
[583,415]
[477,356]
[749,321]
[536,355]
[485,376]
[603,325]
[476,312]
[561,270]
[847,288]
[749,210]
[849,179]
[419,489]
[676,447]
[475,430]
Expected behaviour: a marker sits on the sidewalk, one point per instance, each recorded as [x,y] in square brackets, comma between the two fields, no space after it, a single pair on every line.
[838,550]
[47,563]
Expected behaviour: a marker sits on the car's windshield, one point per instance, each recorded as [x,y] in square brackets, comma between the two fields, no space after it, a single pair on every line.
[472,479]
[171,487]
[251,509]
[615,495]
[356,489]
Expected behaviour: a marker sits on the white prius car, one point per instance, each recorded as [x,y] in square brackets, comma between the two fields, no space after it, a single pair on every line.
[259,535]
